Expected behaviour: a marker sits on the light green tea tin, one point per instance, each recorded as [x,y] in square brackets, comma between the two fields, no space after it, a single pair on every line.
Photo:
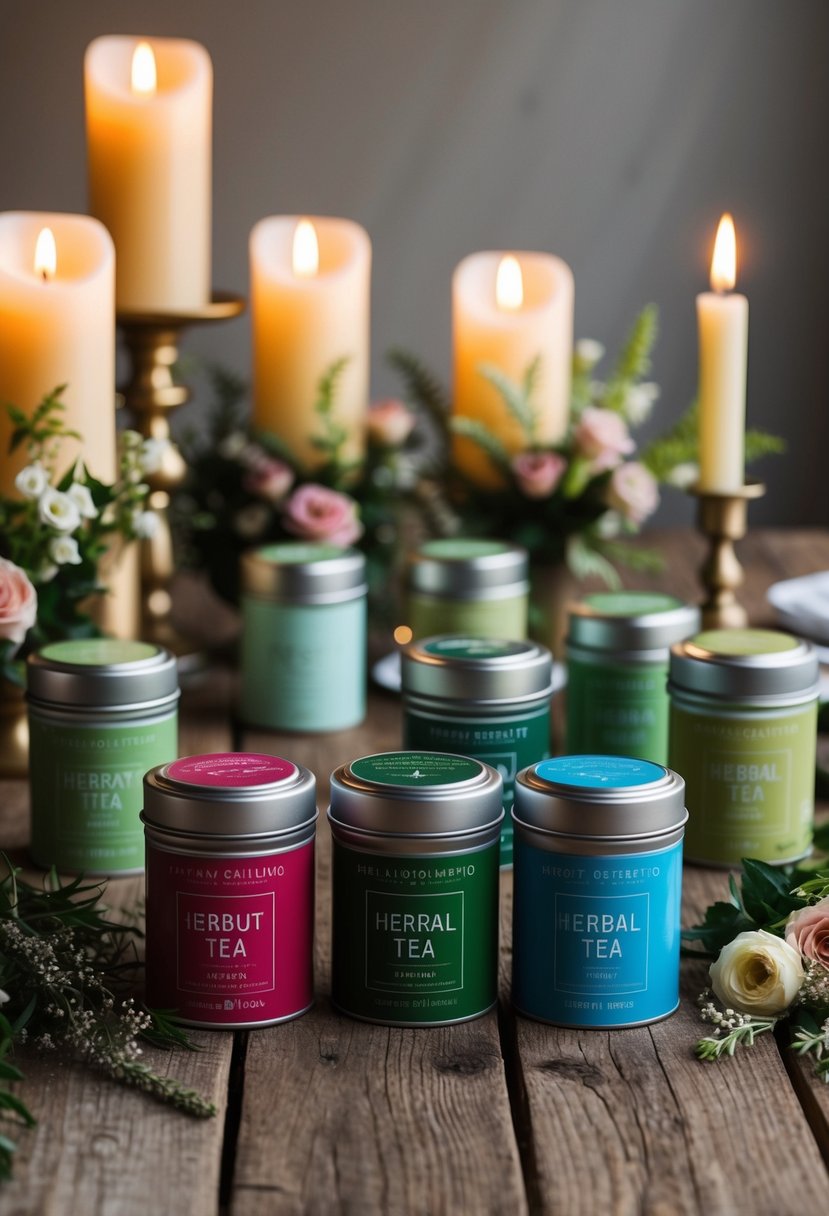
[101,713]
[461,585]
[743,733]
[617,671]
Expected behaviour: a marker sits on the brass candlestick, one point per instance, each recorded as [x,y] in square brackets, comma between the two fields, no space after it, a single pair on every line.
[723,519]
[152,340]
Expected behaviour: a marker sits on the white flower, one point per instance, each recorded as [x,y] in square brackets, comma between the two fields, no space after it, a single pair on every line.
[232,445]
[82,498]
[58,510]
[131,441]
[145,524]
[683,475]
[63,551]
[152,455]
[31,481]
[639,401]
[588,353]
[46,573]
[757,973]
[4,996]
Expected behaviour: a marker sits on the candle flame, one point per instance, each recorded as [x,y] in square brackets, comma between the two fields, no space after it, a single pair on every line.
[306,253]
[509,284]
[403,635]
[724,261]
[46,254]
[143,74]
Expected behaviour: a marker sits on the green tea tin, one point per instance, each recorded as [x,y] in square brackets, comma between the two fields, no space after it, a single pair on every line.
[617,671]
[303,637]
[743,734]
[415,887]
[482,697]
[461,585]
[101,713]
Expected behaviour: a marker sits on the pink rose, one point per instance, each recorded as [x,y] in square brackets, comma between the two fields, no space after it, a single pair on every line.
[317,513]
[808,931]
[538,473]
[390,423]
[602,436]
[269,479]
[18,602]
[633,491]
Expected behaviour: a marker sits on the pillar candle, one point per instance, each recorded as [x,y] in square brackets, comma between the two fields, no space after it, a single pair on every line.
[310,308]
[58,327]
[722,323]
[507,322]
[149,150]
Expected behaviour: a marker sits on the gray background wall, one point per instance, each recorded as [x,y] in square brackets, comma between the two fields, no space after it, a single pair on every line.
[611,132]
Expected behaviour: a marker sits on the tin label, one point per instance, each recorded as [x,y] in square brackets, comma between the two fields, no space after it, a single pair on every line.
[476,648]
[600,772]
[415,939]
[455,549]
[631,603]
[486,617]
[411,769]
[230,940]
[620,709]
[596,939]
[87,791]
[231,770]
[99,652]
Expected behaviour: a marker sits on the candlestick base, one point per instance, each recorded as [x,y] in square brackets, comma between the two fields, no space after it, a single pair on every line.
[723,519]
[152,340]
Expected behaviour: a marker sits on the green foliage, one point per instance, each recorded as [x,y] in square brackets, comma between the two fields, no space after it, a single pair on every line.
[424,389]
[585,560]
[471,428]
[763,899]
[678,446]
[333,435]
[517,397]
[634,361]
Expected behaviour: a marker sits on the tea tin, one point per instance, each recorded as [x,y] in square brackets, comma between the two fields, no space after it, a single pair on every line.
[230,888]
[743,734]
[415,888]
[482,697]
[598,885]
[617,671]
[464,585]
[101,712]
[303,637]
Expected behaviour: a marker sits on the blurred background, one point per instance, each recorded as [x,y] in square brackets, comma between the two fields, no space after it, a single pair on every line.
[612,134]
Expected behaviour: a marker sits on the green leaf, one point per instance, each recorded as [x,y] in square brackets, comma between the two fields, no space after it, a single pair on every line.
[766,893]
[720,925]
[760,443]
[679,445]
[422,387]
[471,428]
[585,561]
[634,360]
[515,396]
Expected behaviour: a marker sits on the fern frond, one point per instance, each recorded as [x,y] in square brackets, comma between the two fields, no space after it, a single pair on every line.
[515,396]
[421,386]
[585,561]
[471,428]
[761,443]
[634,361]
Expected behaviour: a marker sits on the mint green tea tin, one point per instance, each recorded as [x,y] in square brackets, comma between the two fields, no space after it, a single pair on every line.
[303,637]
[482,697]
[461,585]
[415,888]
[743,734]
[101,713]
[617,671]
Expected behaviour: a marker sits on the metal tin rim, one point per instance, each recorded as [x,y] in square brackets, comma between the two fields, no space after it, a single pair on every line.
[596,838]
[593,629]
[775,675]
[523,676]
[455,577]
[327,579]
[131,685]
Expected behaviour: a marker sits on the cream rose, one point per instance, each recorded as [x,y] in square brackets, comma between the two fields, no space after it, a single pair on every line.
[18,602]
[757,973]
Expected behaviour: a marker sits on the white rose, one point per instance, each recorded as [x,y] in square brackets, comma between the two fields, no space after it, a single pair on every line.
[58,510]
[82,498]
[4,996]
[46,573]
[152,455]
[639,401]
[683,475]
[757,973]
[31,481]
[63,551]
[145,524]
[588,353]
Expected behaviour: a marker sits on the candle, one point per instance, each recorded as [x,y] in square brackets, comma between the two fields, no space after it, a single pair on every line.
[722,323]
[507,311]
[310,286]
[57,326]
[148,124]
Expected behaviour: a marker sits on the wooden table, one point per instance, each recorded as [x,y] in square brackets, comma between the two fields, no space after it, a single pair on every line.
[502,1114]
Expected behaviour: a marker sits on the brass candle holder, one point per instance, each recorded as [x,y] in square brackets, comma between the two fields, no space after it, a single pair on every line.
[723,519]
[152,340]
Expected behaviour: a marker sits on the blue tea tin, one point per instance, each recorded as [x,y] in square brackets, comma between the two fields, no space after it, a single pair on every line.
[598,885]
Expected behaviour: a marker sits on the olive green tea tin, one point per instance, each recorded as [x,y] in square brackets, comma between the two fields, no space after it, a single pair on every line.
[617,671]
[461,585]
[743,735]
[415,888]
[101,713]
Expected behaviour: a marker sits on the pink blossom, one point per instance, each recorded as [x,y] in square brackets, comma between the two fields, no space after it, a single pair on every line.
[18,602]
[317,513]
[538,473]
[390,423]
[808,931]
[269,479]
[633,491]
[602,436]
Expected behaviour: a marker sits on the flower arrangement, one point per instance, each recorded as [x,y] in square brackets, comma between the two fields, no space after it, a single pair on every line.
[67,975]
[770,945]
[57,529]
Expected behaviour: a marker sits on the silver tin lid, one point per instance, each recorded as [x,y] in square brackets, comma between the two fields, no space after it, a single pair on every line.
[296,572]
[600,797]
[735,664]
[630,620]
[233,794]
[460,568]
[427,794]
[455,667]
[101,673]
